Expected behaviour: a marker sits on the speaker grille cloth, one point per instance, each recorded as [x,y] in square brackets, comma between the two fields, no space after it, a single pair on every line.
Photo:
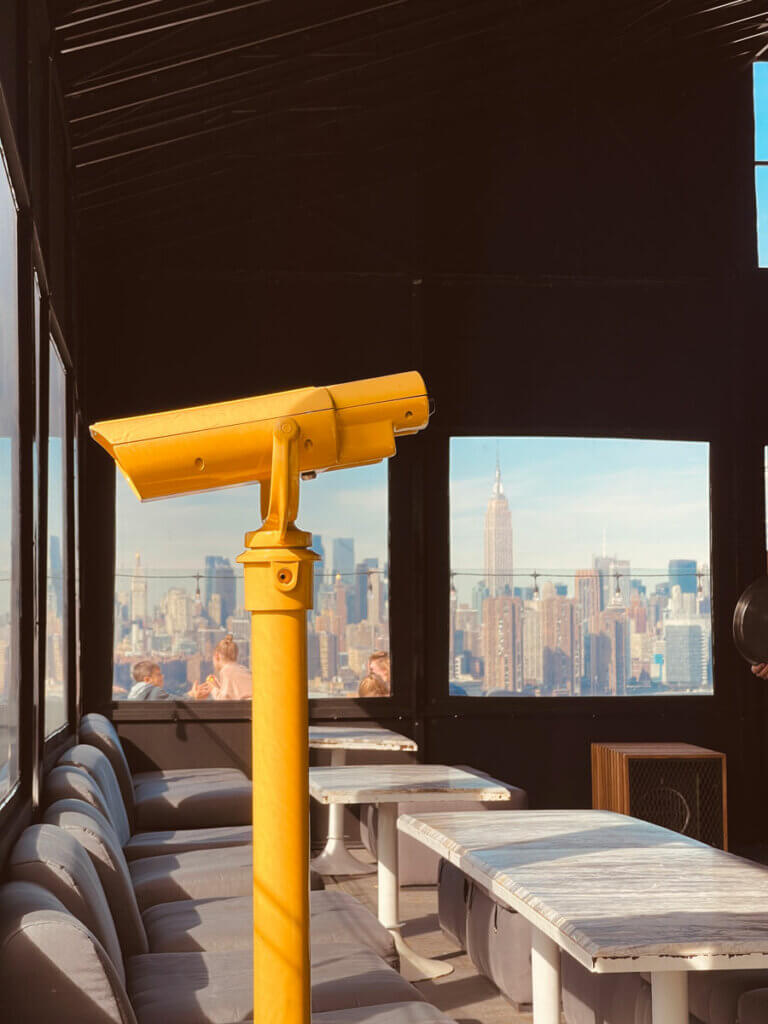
[682,794]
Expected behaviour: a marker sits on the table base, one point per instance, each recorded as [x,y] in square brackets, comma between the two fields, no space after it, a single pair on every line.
[413,966]
[335,858]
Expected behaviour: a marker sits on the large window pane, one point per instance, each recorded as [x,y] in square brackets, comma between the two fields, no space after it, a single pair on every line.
[55,631]
[579,567]
[179,592]
[9,412]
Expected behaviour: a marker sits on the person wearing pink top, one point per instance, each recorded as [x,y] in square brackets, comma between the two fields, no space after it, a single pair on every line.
[234,680]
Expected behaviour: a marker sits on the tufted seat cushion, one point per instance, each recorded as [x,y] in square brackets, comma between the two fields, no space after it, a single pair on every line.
[394,1013]
[213,925]
[216,988]
[155,844]
[177,798]
[213,798]
[190,876]
[52,967]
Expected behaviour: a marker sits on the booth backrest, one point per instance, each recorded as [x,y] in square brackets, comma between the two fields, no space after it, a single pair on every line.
[52,967]
[52,858]
[99,767]
[98,731]
[65,782]
[92,830]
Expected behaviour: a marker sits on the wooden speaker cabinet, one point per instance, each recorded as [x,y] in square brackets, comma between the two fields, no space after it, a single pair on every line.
[675,785]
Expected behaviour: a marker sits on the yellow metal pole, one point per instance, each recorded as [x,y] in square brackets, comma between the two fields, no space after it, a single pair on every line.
[278,569]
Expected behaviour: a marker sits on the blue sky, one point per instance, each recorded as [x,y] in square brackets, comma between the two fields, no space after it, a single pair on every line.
[177,533]
[650,497]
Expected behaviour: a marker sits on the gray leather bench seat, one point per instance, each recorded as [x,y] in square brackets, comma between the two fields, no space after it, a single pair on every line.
[153,844]
[713,996]
[192,875]
[178,795]
[211,925]
[177,798]
[54,968]
[418,865]
[94,784]
[194,921]
[217,988]
[62,957]
[394,1013]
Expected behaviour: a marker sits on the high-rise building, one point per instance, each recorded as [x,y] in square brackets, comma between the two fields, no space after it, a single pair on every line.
[215,611]
[138,593]
[339,615]
[497,541]
[610,572]
[344,557]
[503,643]
[685,663]
[682,573]
[178,611]
[220,579]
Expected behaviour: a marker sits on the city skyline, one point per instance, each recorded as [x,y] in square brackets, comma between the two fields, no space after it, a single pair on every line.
[176,612]
[645,501]
[597,627]
[177,533]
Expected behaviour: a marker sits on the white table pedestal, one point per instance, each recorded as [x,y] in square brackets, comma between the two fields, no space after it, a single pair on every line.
[669,997]
[545,978]
[412,966]
[336,858]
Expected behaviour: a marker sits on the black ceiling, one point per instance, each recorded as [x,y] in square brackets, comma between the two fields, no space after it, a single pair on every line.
[219,111]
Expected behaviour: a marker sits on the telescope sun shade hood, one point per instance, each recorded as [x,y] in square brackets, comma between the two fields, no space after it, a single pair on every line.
[228,443]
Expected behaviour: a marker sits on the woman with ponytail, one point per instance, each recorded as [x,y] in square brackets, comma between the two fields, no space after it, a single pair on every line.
[234,680]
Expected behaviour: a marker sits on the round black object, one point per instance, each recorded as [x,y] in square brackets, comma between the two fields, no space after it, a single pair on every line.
[750,623]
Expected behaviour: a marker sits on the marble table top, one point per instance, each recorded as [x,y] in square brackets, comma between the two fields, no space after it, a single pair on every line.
[391,783]
[352,737]
[616,893]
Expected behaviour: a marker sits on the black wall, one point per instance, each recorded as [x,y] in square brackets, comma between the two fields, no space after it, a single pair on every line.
[588,268]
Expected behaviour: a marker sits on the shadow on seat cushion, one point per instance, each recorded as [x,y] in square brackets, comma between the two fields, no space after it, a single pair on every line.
[216,988]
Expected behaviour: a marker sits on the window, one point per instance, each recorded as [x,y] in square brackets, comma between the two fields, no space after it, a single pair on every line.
[56,591]
[579,567]
[179,590]
[760,93]
[9,482]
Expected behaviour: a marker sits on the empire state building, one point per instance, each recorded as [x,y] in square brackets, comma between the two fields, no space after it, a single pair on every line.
[497,540]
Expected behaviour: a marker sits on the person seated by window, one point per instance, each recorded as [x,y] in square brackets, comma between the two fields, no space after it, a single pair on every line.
[232,680]
[372,686]
[378,666]
[148,683]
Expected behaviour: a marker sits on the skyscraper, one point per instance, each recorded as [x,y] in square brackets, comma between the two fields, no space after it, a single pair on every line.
[138,593]
[344,557]
[682,573]
[497,540]
[220,579]
[503,643]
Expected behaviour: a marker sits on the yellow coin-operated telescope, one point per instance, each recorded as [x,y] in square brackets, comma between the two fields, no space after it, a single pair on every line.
[275,440]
